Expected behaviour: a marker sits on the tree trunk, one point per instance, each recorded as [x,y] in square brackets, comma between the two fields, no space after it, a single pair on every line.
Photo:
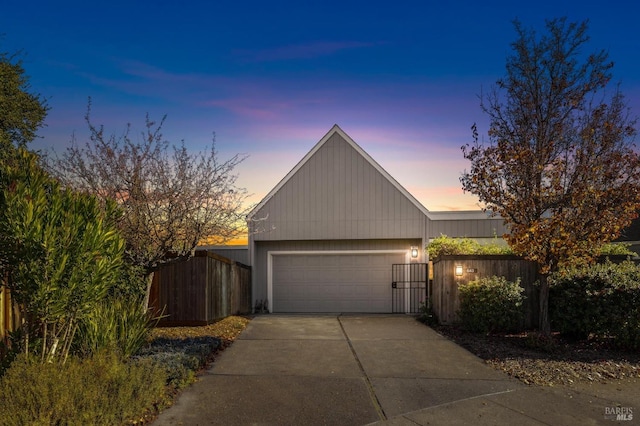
[544,322]
[147,293]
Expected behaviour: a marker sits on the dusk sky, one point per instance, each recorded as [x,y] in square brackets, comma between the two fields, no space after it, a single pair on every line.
[271,78]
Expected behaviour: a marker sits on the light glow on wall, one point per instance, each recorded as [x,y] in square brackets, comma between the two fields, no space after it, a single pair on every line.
[458,270]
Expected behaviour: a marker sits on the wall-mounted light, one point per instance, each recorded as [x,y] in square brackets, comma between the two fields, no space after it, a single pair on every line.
[458,270]
[414,252]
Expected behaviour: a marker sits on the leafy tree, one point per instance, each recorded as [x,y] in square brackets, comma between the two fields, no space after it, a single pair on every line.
[21,112]
[171,199]
[63,254]
[560,164]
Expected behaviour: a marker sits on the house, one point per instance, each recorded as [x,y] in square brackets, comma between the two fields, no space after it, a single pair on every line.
[326,237]
[238,253]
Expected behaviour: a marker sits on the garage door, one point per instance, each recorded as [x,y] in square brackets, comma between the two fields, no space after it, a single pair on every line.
[333,282]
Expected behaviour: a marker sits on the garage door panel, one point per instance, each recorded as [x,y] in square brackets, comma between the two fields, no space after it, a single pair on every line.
[333,283]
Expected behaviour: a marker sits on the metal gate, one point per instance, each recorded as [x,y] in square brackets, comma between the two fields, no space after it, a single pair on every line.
[409,287]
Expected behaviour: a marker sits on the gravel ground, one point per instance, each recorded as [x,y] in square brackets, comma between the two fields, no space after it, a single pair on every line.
[536,360]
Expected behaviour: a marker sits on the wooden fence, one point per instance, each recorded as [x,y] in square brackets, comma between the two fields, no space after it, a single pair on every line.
[201,290]
[8,315]
[445,297]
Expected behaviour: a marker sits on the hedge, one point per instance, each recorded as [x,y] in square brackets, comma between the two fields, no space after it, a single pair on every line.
[491,304]
[602,301]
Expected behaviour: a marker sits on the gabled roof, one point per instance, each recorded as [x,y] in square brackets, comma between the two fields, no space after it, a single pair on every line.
[367,157]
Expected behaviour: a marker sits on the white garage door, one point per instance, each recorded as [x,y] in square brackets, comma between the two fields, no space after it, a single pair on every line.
[333,282]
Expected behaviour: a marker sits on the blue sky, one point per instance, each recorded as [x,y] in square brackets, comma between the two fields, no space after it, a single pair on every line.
[271,78]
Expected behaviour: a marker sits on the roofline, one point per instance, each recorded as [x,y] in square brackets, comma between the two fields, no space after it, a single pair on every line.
[461,215]
[354,145]
[223,247]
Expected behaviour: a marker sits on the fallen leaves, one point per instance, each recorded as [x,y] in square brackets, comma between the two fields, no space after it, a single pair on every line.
[548,372]
[553,364]
[227,330]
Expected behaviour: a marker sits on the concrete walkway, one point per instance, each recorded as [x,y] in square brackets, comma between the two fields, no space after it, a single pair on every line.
[371,369]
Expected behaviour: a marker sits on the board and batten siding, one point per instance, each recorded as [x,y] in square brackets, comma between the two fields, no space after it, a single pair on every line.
[338,194]
[470,228]
[470,224]
[238,253]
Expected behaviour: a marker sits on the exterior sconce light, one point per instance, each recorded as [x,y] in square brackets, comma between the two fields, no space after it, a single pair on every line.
[458,270]
[414,252]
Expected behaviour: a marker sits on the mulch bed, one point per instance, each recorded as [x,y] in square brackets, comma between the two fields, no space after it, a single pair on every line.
[227,330]
[548,361]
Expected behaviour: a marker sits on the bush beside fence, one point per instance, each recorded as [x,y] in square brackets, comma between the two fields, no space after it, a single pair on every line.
[602,300]
[491,304]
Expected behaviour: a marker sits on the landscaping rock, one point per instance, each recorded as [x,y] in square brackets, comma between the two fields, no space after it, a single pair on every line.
[549,361]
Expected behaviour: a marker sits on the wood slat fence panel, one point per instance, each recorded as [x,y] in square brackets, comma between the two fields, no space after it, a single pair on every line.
[445,294]
[201,290]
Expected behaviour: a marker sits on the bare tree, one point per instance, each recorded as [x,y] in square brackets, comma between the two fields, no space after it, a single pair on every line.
[560,164]
[171,199]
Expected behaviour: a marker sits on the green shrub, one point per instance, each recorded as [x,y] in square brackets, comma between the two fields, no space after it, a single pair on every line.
[60,251]
[443,245]
[180,368]
[181,358]
[427,315]
[115,324]
[571,309]
[101,390]
[7,355]
[131,283]
[491,304]
[601,300]
[616,249]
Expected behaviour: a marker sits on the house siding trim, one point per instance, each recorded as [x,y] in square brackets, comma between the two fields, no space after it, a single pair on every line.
[272,253]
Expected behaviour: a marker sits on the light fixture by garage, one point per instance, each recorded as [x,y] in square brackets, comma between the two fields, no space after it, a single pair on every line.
[414,252]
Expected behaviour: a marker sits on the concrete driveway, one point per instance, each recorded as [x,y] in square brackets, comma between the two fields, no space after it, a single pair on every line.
[362,369]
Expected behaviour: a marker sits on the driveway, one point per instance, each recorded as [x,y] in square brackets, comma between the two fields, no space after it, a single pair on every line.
[362,369]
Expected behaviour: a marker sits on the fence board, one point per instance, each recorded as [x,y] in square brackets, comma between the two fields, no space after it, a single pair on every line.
[9,314]
[201,290]
[5,314]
